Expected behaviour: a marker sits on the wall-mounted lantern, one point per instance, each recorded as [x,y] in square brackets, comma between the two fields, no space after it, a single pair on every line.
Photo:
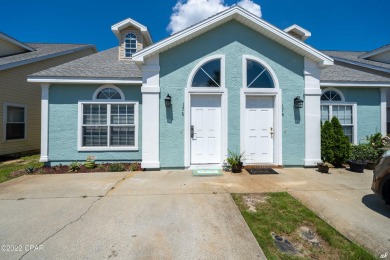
[298,102]
[168,101]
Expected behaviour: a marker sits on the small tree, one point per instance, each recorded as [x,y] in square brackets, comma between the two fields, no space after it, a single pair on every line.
[327,136]
[341,144]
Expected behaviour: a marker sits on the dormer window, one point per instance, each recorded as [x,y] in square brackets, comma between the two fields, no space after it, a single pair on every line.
[130,45]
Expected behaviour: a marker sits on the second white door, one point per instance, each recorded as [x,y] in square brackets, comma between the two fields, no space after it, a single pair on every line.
[259,129]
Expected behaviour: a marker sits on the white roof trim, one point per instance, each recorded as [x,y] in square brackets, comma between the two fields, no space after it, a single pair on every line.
[116,28]
[298,30]
[372,84]
[82,80]
[250,20]
[44,57]
[375,52]
[16,42]
[361,64]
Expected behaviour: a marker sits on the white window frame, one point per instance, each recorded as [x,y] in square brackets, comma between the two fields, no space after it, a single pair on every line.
[108,86]
[129,37]
[200,65]
[330,104]
[5,115]
[80,146]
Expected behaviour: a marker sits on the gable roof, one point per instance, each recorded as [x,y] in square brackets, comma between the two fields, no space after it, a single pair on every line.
[13,41]
[377,51]
[354,58]
[103,65]
[41,51]
[116,28]
[240,14]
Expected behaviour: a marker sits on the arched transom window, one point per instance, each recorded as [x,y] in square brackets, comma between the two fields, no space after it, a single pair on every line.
[209,75]
[130,44]
[108,93]
[257,76]
[333,105]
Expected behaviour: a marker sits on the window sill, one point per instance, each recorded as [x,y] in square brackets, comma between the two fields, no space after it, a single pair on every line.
[14,140]
[106,149]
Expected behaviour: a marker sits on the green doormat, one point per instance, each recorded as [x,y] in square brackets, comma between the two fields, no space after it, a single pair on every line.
[207,172]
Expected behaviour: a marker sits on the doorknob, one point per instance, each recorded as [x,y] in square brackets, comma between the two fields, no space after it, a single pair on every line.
[272,132]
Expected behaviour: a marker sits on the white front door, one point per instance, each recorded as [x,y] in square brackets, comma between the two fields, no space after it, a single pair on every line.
[259,130]
[205,129]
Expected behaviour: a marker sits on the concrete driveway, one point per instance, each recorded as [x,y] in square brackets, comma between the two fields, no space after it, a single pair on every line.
[150,215]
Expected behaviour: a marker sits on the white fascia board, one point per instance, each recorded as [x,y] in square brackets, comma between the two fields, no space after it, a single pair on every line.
[49,56]
[362,64]
[16,42]
[83,80]
[238,13]
[355,84]
[127,22]
[375,52]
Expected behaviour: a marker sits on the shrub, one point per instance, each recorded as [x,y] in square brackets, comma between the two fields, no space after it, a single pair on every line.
[341,144]
[116,167]
[327,137]
[74,166]
[378,142]
[135,167]
[363,152]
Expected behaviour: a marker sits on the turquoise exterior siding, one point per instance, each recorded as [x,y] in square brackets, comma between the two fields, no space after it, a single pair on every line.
[63,124]
[368,110]
[233,40]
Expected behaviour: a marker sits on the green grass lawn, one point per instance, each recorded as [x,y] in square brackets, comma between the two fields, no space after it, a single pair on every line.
[284,215]
[8,167]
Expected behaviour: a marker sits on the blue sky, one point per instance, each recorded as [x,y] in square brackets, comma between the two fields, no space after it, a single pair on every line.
[334,24]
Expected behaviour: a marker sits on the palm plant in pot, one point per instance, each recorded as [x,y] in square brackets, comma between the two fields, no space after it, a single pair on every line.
[360,154]
[234,159]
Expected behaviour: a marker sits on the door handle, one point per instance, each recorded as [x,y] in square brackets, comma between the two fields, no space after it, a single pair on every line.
[272,132]
[192,131]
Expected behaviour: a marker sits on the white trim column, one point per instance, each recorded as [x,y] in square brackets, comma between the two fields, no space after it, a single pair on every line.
[384,111]
[45,123]
[312,113]
[151,113]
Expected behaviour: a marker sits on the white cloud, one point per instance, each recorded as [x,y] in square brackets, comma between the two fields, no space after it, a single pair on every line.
[251,7]
[190,12]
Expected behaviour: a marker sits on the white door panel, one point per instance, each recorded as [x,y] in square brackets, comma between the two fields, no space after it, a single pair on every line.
[206,121]
[259,128]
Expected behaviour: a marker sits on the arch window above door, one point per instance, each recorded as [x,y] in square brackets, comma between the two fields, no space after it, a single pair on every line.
[257,76]
[208,75]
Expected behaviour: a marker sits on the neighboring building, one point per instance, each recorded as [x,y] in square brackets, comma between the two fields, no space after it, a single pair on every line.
[20,109]
[365,72]
[230,82]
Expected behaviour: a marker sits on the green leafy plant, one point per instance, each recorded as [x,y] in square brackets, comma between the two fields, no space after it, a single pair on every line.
[341,144]
[379,143]
[74,166]
[30,170]
[134,167]
[363,152]
[327,137]
[235,158]
[116,167]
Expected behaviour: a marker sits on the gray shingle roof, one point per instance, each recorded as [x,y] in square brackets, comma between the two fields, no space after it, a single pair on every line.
[103,64]
[353,56]
[357,72]
[42,51]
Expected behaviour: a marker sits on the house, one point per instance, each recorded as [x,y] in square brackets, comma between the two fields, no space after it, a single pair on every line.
[230,82]
[20,109]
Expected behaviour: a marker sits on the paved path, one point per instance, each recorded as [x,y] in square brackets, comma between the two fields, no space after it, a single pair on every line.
[101,216]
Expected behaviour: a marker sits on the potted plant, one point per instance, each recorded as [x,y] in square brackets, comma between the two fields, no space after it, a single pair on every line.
[234,159]
[90,162]
[360,154]
[323,167]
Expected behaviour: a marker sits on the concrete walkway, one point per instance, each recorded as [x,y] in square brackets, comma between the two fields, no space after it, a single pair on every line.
[101,216]
[173,215]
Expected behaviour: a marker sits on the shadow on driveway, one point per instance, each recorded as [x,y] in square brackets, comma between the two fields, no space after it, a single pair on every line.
[376,204]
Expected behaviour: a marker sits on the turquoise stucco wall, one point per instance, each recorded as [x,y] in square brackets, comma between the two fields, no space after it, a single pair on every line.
[63,124]
[368,110]
[233,40]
